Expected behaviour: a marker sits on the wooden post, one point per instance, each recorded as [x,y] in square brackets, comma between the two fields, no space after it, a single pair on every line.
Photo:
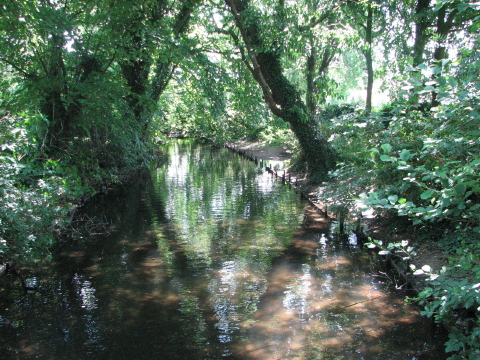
[342,222]
[3,268]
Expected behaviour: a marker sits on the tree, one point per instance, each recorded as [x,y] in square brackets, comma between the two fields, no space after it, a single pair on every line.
[362,15]
[93,66]
[323,44]
[151,33]
[283,100]
[34,44]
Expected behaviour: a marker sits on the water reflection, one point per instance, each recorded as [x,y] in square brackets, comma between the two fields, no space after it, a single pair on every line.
[210,258]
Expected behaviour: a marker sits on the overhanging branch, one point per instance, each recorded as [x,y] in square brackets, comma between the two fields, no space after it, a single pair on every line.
[254,67]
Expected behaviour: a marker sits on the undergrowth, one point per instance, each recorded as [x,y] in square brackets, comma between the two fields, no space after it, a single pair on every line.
[422,163]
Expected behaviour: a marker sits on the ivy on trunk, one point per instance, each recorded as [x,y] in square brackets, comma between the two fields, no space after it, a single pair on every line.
[280,95]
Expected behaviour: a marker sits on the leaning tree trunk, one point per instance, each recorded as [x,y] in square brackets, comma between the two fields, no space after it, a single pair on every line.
[319,154]
[281,96]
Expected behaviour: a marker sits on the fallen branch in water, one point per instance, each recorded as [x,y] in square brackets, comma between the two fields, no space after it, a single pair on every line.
[360,302]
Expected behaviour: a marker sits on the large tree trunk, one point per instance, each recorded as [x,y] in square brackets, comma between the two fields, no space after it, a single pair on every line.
[146,88]
[310,77]
[282,97]
[368,58]
[319,154]
[422,22]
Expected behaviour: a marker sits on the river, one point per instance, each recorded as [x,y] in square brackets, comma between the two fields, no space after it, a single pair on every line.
[209,257]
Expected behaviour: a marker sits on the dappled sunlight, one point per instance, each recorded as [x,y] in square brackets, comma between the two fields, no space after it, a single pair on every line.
[200,268]
[302,312]
[333,263]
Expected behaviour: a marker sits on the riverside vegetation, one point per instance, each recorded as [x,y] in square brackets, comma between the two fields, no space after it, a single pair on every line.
[90,90]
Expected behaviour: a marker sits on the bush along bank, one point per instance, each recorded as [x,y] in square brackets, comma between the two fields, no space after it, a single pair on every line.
[39,192]
[418,165]
[422,170]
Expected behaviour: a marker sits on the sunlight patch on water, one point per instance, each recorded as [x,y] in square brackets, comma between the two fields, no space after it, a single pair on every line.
[86,292]
[297,294]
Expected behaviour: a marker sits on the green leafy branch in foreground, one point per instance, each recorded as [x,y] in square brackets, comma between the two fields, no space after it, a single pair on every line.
[399,249]
[452,297]
[453,300]
[35,195]
[447,191]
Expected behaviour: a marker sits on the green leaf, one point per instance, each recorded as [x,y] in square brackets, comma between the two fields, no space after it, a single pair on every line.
[386,148]
[393,198]
[384,252]
[452,81]
[387,158]
[405,155]
[427,194]
[460,188]
[469,302]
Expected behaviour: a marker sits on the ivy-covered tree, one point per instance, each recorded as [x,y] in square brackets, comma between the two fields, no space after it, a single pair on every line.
[150,48]
[35,38]
[262,56]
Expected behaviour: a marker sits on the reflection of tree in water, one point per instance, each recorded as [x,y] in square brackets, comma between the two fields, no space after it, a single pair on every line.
[210,260]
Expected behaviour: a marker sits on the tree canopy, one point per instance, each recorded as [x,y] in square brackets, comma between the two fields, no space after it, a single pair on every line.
[380,97]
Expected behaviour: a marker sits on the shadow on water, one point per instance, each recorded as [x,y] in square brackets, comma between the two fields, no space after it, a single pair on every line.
[209,257]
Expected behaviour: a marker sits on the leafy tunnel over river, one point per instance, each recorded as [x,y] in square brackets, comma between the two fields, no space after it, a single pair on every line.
[209,257]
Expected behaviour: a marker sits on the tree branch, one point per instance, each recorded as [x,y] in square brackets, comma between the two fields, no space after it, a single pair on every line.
[254,68]
[19,69]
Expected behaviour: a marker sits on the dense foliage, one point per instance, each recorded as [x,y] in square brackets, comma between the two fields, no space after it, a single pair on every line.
[380,97]
[425,164]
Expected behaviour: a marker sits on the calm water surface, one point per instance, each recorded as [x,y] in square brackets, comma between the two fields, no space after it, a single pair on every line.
[208,257]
